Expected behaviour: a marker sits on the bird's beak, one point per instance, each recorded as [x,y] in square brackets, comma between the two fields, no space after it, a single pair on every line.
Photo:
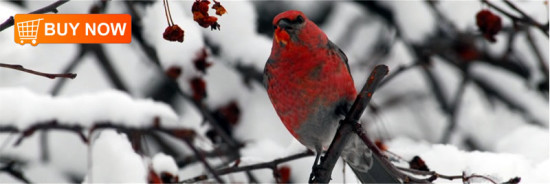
[281,36]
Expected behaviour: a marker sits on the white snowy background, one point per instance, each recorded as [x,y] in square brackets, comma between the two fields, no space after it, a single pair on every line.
[508,143]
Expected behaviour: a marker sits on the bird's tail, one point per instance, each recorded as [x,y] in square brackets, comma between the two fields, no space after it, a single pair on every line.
[366,166]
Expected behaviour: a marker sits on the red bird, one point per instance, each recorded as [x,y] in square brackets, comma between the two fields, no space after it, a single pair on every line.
[310,86]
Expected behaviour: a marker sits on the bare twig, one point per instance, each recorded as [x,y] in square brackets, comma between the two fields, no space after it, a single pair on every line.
[265,165]
[104,61]
[437,89]
[453,110]
[107,65]
[434,175]
[179,133]
[50,8]
[137,28]
[525,18]
[382,159]
[201,157]
[542,61]
[168,13]
[72,65]
[398,71]
[529,19]
[16,173]
[217,152]
[47,75]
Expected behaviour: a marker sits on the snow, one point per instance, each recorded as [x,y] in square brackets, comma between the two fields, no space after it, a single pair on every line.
[113,160]
[414,17]
[237,38]
[261,151]
[22,107]
[409,119]
[173,53]
[336,27]
[164,163]
[44,173]
[516,142]
[449,160]
[534,103]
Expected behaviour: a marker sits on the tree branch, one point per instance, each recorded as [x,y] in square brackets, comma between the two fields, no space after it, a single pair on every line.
[324,171]
[74,63]
[16,173]
[202,158]
[265,165]
[453,110]
[47,75]
[399,70]
[50,8]
[525,18]
[180,133]
[466,179]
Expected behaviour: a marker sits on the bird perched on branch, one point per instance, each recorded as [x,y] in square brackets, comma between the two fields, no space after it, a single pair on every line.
[310,86]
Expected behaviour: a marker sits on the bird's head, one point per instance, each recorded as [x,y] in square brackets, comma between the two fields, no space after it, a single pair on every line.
[288,25]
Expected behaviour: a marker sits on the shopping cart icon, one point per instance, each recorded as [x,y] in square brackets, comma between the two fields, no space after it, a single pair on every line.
[28,31]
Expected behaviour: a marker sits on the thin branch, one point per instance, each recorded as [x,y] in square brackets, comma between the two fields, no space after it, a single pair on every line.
[201,157]
[107,66]
[50,8]
[398,71]
[137,28]
[455,105]
[492,90]
[529,19]
[542,61]
[437,89]
[103,61]
[382,159]
[434,175]
[68,68]
[525,18]
[167,13]
[16,173]
[47,75]
[180,133]
[222,150]
[265,165]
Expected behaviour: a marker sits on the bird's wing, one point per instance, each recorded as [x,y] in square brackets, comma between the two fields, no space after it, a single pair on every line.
[340,53]
[267,73]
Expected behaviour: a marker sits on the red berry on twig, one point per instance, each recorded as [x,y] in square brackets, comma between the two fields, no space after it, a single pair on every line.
[489,24]
[173,33]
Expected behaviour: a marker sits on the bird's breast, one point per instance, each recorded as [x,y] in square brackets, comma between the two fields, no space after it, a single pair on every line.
[305,89]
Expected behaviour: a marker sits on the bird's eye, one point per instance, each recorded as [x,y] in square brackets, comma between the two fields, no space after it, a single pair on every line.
[299,19]
[274,26]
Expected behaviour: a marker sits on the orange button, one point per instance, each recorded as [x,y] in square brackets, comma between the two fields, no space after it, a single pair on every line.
[72,28]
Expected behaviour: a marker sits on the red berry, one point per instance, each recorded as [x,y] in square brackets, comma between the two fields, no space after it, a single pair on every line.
[489,24]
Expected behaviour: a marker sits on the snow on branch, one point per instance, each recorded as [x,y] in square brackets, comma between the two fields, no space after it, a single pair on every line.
[22,108]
